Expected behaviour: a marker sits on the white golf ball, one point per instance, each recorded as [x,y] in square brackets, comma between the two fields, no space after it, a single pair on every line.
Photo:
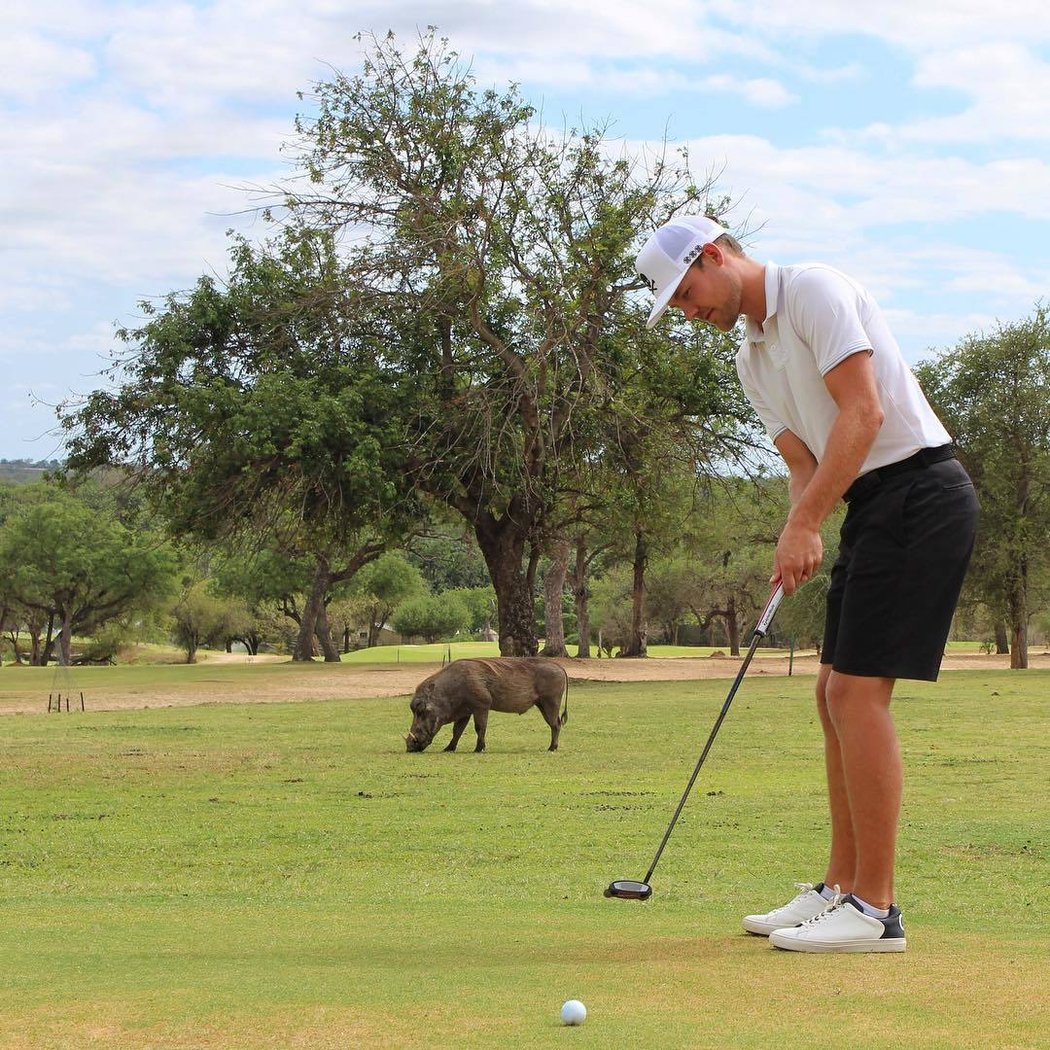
[573,1012]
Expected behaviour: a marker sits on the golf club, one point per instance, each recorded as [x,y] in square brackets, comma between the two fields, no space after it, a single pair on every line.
[629,889]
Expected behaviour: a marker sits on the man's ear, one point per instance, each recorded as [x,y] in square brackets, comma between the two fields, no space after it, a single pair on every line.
[714,254]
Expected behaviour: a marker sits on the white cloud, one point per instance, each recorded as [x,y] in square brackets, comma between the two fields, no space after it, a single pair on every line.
[1010,88]
[930,333]
[918,27]
[34,64]
[759,91]
[128,126]
[833,190]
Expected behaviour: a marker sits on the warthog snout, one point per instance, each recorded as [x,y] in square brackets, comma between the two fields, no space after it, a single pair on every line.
[416,742]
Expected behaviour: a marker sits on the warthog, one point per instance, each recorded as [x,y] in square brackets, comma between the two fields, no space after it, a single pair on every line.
[475,687]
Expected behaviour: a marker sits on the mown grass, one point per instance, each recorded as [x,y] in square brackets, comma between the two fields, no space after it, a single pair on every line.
[439,651]
[284,875]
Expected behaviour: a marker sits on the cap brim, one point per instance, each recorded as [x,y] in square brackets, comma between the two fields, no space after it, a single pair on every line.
[660,307]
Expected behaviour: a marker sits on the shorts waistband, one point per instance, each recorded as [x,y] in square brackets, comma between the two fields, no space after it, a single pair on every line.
[925,457]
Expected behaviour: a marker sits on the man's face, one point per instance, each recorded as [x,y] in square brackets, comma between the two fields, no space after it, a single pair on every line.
[710,292]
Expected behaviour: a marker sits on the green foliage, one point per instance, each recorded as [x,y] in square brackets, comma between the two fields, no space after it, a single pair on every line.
[432,617]
[255,405]
[480,603]
[199,616]
[382,586]
[502,259]
[77,566]
[993,393]
[448,559]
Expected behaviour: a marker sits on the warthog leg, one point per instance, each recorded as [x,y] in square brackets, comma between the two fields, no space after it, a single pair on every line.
[481,721]
[457,731]
[549,710]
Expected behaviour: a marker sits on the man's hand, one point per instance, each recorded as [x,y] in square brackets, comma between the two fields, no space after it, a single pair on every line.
[815,489]
[799,553]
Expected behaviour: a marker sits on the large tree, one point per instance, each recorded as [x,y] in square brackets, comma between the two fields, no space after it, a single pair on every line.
[993,393]
[502,256]
[258,407]
[76,568]
[679,418]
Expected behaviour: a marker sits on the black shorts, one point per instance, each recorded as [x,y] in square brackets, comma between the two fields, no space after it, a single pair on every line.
[905,546]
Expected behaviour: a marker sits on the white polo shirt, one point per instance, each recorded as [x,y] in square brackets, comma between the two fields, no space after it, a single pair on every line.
[816,317]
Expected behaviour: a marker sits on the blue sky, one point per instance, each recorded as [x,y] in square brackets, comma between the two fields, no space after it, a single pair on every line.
[905,143]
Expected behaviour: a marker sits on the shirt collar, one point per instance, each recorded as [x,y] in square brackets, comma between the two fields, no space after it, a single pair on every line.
[772,279]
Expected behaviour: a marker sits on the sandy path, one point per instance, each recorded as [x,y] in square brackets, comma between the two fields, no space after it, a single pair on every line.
[275,681]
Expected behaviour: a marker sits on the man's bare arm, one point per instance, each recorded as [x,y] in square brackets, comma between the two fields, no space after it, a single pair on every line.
[801,463]
[852,385]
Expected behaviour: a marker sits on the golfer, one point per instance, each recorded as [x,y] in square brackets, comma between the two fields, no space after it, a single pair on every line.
[826,377]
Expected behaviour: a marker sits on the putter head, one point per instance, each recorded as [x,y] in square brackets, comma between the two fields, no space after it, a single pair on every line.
[629,890]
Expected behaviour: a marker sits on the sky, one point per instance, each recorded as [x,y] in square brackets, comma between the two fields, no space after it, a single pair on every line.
[906,143]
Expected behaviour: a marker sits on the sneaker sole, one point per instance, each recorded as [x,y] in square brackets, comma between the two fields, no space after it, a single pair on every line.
[794,944]
[765,929]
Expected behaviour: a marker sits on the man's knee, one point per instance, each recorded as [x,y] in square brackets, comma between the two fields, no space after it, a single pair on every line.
[844,693]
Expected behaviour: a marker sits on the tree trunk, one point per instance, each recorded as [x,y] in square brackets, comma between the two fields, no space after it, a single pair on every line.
[554,586]
[1018,602]
[1002,642]
[324,635]
[733,626]
[1019,647]
[637,643]
[581,594]
[42,649]
[16,652]
[65,639]
[304,643]
[503,547]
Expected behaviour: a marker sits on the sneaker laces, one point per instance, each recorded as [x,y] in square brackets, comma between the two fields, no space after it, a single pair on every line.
[804,889]
[836,902]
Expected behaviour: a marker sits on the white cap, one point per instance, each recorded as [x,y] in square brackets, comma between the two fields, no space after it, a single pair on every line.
[669,252]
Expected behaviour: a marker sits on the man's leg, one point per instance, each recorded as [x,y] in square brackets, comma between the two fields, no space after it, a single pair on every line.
[864,783]
[842,862]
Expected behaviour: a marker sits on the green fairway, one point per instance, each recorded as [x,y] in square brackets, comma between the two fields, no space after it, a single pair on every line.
[284,875]
[439,651]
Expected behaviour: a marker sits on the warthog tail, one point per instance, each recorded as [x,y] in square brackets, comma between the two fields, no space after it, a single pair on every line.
[565,714]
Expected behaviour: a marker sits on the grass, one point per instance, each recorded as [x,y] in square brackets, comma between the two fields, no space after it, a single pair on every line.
[284,875]
[435,653]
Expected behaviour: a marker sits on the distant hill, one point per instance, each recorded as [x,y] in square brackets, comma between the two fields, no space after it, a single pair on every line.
[22,471]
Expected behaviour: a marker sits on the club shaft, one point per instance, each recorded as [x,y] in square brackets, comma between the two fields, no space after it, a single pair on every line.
[761,628]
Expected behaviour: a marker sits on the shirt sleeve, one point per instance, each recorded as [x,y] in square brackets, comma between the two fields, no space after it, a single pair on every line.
[825,307]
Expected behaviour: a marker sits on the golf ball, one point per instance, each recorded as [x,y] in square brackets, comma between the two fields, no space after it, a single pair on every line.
[573,1012]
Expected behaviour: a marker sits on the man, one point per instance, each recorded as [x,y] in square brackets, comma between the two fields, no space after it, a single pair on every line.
[828,381]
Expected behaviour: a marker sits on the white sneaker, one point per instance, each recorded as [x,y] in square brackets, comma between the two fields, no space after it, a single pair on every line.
[843,927]
[805,906]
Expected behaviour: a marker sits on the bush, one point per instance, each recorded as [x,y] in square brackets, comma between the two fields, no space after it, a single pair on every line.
[435,618]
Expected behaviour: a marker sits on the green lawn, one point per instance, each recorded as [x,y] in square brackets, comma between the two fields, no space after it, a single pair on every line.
[284,875]
[386,654]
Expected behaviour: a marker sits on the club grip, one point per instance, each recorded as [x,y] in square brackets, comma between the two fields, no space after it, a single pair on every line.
[770,611]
